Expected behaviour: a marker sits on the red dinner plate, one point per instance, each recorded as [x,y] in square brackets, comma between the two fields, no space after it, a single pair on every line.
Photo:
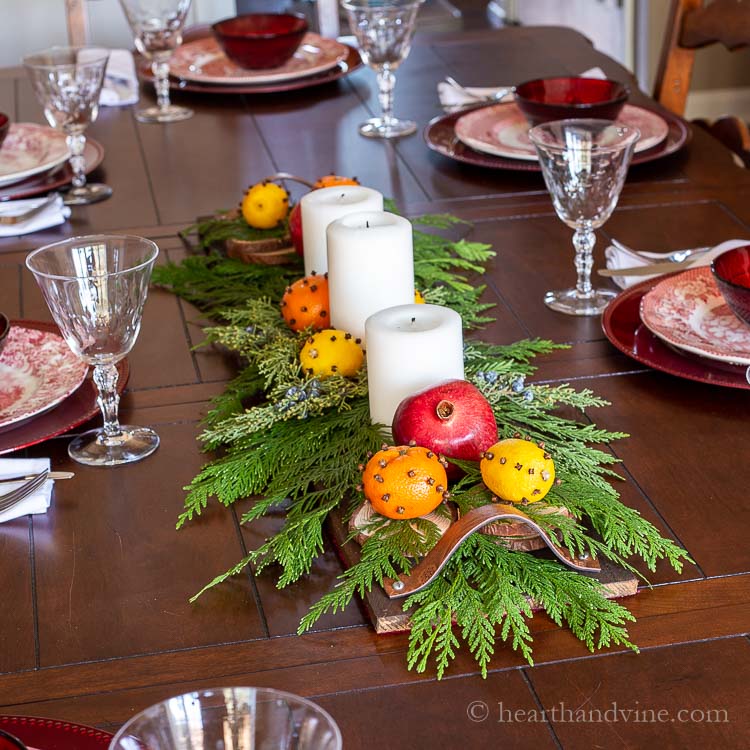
[440,135]
[51,734]
[341,69]
[43,183]
[72,412]
[623,327]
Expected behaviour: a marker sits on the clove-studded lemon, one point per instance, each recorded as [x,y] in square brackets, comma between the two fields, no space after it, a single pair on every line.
[405,481]
[331,352]
[518,471]
[265,205]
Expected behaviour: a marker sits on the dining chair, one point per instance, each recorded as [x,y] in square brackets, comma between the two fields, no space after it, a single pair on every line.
[77,20]
[692,24]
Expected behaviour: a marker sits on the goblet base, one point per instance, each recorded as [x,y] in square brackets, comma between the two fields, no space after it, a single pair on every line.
[171,113]
[377,127]
[132,444]
[92,192]
[570,302]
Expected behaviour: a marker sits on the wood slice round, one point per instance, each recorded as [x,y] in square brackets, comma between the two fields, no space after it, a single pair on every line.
[518,536]
[276,251]
[365,514]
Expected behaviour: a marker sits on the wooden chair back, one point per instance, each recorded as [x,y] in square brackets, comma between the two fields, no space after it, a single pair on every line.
[78,22]
[692,25]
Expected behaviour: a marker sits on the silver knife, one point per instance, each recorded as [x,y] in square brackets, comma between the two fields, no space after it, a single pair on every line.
[651,269]
[28,214]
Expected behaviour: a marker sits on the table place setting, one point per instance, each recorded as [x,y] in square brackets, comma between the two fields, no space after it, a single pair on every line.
[26,486]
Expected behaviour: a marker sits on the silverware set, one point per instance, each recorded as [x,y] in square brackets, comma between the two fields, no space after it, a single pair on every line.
[677,260]
[31,483]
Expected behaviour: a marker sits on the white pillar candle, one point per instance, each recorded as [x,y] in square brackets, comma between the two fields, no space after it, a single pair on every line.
[320,207]
[410,347]
[370,267]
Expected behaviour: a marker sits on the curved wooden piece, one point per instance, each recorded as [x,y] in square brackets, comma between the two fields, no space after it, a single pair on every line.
[423,573]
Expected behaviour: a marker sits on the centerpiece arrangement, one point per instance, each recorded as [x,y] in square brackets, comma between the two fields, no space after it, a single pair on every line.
[360,405]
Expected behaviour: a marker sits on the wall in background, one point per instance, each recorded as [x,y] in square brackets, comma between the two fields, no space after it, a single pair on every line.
[36,24]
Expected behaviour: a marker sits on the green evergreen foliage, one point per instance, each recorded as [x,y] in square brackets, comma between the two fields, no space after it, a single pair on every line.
[296,443]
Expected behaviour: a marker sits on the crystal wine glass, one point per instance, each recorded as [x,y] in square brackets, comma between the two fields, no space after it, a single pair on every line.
[384,29]
[67,82]
[584,163]
[95,288]
[157,28]
[238,718]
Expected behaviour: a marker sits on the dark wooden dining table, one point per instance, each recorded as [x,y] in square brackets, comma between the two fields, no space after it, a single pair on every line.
[95,622]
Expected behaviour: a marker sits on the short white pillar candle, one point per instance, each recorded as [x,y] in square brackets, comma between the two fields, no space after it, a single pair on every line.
[410,347]
[370,267]
[320,207]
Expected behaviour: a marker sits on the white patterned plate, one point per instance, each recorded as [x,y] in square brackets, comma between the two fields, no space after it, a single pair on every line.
[37,371]
[502,130]
[30,149]
[688,312]
[205,62]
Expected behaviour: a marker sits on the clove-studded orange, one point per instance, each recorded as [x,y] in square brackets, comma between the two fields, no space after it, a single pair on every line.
[419,297]
[305,303]
[331,352]
[518,471]
[334,180]
[405,481]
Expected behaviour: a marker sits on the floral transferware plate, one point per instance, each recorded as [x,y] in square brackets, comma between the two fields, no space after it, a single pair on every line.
[502,130]
[688,312]
[37,371]
[30,149]
[205,62]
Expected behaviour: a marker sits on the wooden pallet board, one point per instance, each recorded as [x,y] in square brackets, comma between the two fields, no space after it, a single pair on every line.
[387,615]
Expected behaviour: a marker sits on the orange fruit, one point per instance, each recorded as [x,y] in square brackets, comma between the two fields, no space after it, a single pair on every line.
[334,180]
[405,481]
[265,205]
[305,303]
[331,352]
[518,471]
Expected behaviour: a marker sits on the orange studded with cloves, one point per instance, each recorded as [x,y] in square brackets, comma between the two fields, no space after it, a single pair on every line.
[305,303]
[405,481]
[331,352]
[518,471]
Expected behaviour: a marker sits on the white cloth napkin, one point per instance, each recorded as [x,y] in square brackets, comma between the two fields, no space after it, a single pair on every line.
[52,216]
[452,98]
[120,85]
[617,257]
[37,502]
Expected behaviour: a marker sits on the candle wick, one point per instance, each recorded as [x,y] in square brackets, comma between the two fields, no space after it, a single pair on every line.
[413,320]
[367,223]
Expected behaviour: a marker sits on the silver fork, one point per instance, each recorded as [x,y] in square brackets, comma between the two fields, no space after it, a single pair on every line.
[677,256]
[12,498]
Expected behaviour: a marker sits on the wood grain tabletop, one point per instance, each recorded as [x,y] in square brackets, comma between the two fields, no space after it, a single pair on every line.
[95,622]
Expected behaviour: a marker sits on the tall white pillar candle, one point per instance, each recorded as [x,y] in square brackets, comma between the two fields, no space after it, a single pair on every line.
[370,267]
[410,347]
[320,207]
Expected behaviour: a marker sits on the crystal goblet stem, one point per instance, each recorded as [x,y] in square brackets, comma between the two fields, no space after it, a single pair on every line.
[67,82]
[384,30]
[95,288]
[584,164]
[157,28]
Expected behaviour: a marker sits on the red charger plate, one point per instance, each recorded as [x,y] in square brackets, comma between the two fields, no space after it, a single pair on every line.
[51,734]
[623,327]
[440,136]
[93,156]
[78,408]
[351,63]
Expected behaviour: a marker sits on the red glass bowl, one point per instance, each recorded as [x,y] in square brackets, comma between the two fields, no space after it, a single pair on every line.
[732,273]
[258,41]
[548,99]
[4,127]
